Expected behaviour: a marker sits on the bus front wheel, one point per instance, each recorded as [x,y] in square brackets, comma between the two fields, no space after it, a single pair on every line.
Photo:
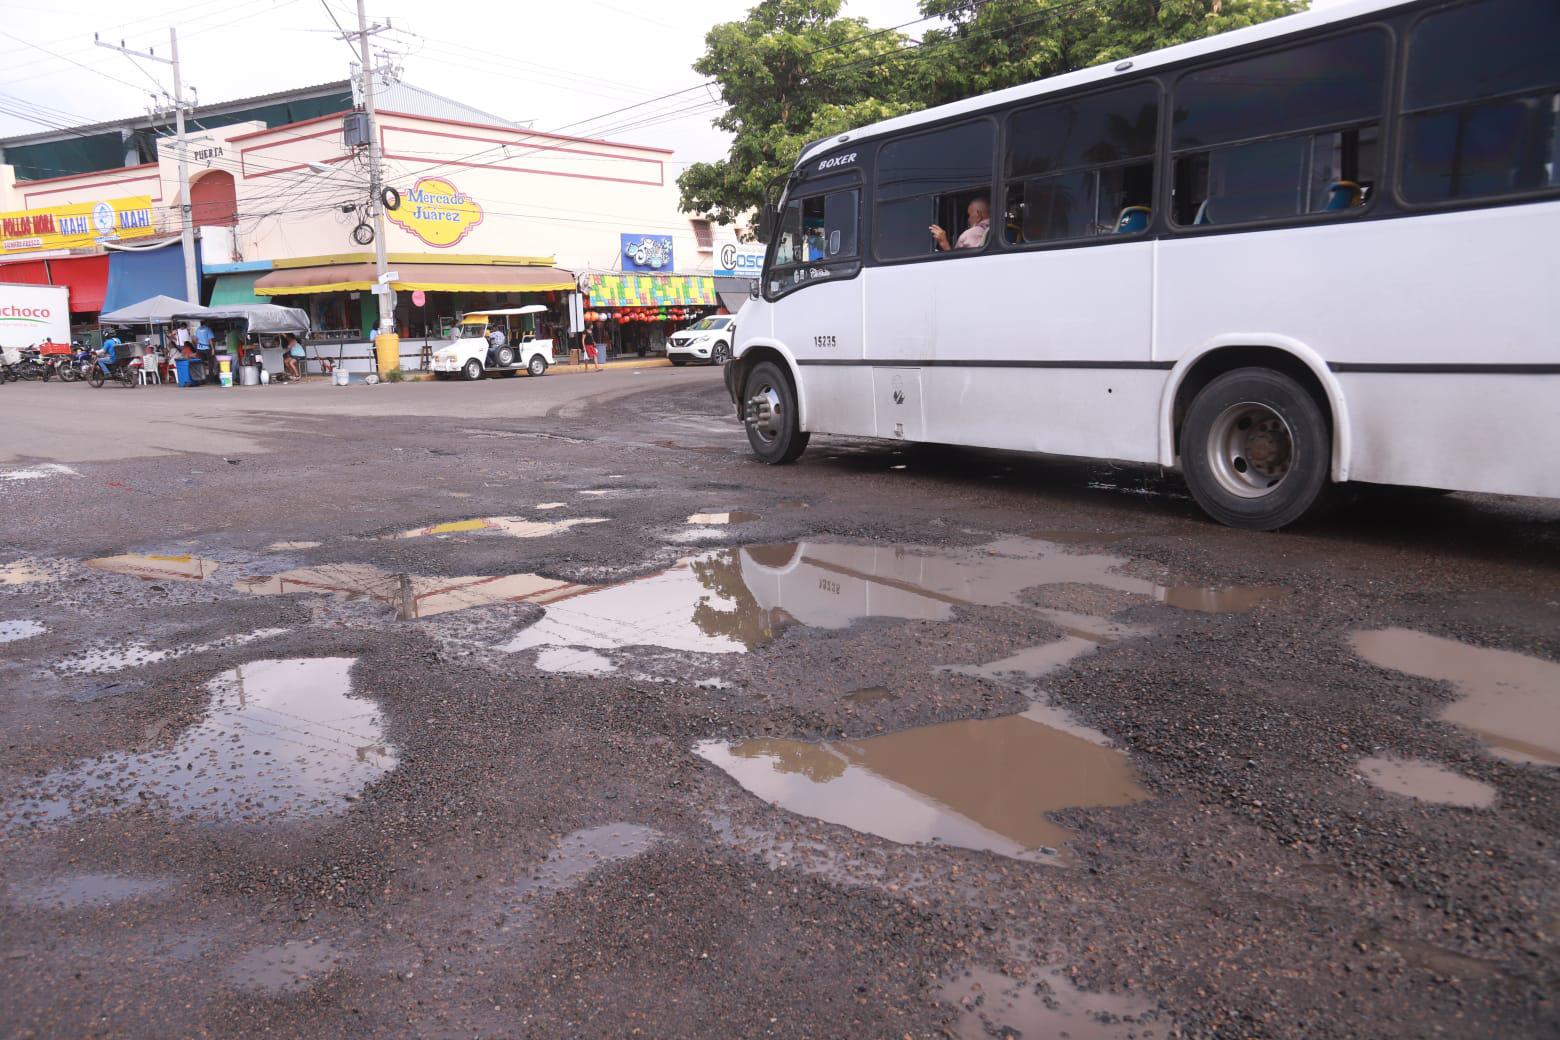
[770,417]
[1256,449]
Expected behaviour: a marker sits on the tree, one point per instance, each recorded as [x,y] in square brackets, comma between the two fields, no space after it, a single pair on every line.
[791,72]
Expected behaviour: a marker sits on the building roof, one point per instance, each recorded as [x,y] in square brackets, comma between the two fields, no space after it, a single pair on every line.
[415,101]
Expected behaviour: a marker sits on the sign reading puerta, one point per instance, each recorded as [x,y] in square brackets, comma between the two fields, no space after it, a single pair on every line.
[437,212]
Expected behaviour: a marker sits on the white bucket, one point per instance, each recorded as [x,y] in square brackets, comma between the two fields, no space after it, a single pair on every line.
[340,377]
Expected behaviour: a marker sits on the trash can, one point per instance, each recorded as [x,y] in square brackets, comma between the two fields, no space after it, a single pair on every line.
[225,369]
[249,375]
[181,371]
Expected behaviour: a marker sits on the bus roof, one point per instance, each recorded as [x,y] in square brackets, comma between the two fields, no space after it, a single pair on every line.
[1278,27]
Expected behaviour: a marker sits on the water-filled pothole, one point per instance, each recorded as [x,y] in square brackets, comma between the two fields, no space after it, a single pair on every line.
[1426,782]
[13,631]
[20,572]
[995,1005]
[288,968]
[412,596]
[1511,700]
[279,739]
[583,851]
[513,526]
[86,890]
[157,566]
[722,518]
[979,784]
[869,695]
[103,658]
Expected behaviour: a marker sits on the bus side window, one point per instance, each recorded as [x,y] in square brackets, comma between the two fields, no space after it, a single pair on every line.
[1481,102]
[1082,167]
[1242,144]
[930,179]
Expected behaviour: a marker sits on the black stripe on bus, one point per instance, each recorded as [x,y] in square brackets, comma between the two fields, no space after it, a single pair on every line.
[1453,368]
[1158,366]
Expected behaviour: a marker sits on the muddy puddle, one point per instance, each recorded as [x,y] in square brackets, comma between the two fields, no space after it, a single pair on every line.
[103,658]
[290,967]
[412,596]
[512,526]
[22,573]
[14,631]
[978,784]
[728,600]
[1510,700]
[157,567]
[292,546]
[995,1005]
[279,739]
[1426,782]
[552,505]
[566,660]
[583,851]
[86,890]
[715,519]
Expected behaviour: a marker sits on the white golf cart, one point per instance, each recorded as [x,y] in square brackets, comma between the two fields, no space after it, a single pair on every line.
[474,350]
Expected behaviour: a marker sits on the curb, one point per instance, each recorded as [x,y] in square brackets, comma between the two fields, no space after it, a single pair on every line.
[416,376]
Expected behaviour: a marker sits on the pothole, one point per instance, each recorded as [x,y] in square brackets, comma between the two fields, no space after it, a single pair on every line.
[14,631]
[292,546]
[279,739]
[104,658]
[1511,700]
[86,890]
[583,851]
[995,1005]
[565,660]
[21,572]
[722,518]
[157,567]
[512,526]
[412,596]
[869,695]
[979,784]
[1426,782]
[290,967]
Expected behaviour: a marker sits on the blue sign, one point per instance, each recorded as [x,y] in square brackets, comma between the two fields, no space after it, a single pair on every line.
[647,253]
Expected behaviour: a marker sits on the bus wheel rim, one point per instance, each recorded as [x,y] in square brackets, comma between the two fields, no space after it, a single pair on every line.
[765,412]
[1250,450]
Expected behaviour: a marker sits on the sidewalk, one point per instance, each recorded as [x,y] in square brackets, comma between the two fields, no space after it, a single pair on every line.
[564,369]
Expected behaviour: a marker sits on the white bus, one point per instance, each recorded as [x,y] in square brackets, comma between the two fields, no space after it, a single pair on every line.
[1318,250]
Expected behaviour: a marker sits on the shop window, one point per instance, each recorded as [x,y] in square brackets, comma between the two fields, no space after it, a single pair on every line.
[1481,99]
[703,235]
[816,240]
[1082,167]
[931,179]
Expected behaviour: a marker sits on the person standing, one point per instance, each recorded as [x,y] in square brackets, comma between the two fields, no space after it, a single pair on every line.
[203,341]
[588,352]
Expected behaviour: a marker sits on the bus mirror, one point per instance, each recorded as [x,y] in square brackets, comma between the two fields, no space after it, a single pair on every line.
[753,288]
[766,221]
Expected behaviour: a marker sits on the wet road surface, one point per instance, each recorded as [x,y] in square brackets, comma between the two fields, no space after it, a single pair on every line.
[544,711]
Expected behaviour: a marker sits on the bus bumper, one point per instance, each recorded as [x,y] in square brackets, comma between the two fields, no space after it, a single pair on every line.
[733,373]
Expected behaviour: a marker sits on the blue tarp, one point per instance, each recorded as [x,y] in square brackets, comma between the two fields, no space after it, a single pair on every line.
[140,275]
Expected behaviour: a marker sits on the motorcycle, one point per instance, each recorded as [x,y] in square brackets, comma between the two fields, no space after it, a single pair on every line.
[74,369]
[10,358]
[123,370]
[32,365]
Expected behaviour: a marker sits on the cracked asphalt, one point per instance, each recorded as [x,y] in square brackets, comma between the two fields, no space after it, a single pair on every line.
[330,757]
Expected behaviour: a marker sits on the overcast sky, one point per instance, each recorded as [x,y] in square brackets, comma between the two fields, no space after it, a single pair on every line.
[562,65]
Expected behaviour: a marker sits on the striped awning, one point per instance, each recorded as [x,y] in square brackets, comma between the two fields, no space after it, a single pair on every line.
[649,290]
[294,281]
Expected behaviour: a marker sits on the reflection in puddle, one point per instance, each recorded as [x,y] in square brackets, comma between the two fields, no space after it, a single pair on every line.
[870,695]
[21,573]
[1215,599]
[564,660]
[104,658]
[981,784]
[79,890]
[551,505]
[513,526]
[993,1004]
[722,518]
[11,631]
[1081,634]
[729,600]
[290,967]
[156,567]
[583,851]
[1427,781]
[279,739]
[1510,700]
[412,596]
[291,546]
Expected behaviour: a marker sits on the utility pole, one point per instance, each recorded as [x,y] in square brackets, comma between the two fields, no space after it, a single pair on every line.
[376,179]
[186,211]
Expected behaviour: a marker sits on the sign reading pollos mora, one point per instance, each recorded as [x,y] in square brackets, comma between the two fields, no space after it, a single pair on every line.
[437,212]
[76,224]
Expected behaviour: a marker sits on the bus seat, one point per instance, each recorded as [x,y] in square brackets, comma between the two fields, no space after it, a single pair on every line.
[1344,195]
[1133,219]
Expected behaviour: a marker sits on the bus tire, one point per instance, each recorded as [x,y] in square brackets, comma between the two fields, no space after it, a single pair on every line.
[770,417]
[1256,449]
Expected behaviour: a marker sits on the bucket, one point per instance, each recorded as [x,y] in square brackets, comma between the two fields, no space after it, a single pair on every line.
[248,375]
[340,377]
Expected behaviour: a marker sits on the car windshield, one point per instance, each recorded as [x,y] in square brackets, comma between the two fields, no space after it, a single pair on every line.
[707,324]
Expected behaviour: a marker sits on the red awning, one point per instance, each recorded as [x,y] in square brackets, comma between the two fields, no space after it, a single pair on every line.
[27,272]
[87,277]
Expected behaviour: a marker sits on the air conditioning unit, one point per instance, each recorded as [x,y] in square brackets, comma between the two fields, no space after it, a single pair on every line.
[354,130]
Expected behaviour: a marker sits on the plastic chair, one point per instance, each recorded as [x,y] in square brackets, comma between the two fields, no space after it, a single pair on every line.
[1343,195]
[144,372]
[1133,219]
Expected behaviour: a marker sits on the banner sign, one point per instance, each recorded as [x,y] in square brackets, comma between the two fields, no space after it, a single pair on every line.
[642,290]
[647,252]
[437,212]
[740,260]
[76,224]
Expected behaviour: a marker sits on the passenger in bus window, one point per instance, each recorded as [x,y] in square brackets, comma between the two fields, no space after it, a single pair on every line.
[979,213]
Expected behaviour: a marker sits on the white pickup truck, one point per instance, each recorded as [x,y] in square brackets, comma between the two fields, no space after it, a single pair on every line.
[471,352]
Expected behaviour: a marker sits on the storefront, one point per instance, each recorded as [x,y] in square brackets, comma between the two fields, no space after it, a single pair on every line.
[636,313]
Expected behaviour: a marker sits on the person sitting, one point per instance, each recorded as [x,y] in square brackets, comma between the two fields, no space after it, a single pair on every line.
[974,236]
[496,337]
[292,357]
[111,344]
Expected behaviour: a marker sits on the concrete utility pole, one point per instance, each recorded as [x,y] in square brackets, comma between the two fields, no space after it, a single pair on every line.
[186,211]
[376,181]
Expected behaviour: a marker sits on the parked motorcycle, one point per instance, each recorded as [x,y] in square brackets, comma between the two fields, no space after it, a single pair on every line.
[31,366]
[74,369]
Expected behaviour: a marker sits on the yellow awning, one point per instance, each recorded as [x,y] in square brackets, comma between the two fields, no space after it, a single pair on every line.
[294,281]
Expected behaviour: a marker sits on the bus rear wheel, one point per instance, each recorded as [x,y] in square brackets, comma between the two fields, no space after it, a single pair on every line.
[769,415]
[1256,449]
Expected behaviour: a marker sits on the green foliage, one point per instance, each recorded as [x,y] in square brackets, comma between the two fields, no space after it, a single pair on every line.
[395,375]
[794,71]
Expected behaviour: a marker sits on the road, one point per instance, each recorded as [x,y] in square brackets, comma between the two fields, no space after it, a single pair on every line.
[537,708]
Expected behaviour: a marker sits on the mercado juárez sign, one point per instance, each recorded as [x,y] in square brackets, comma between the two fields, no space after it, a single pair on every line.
[437,212]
